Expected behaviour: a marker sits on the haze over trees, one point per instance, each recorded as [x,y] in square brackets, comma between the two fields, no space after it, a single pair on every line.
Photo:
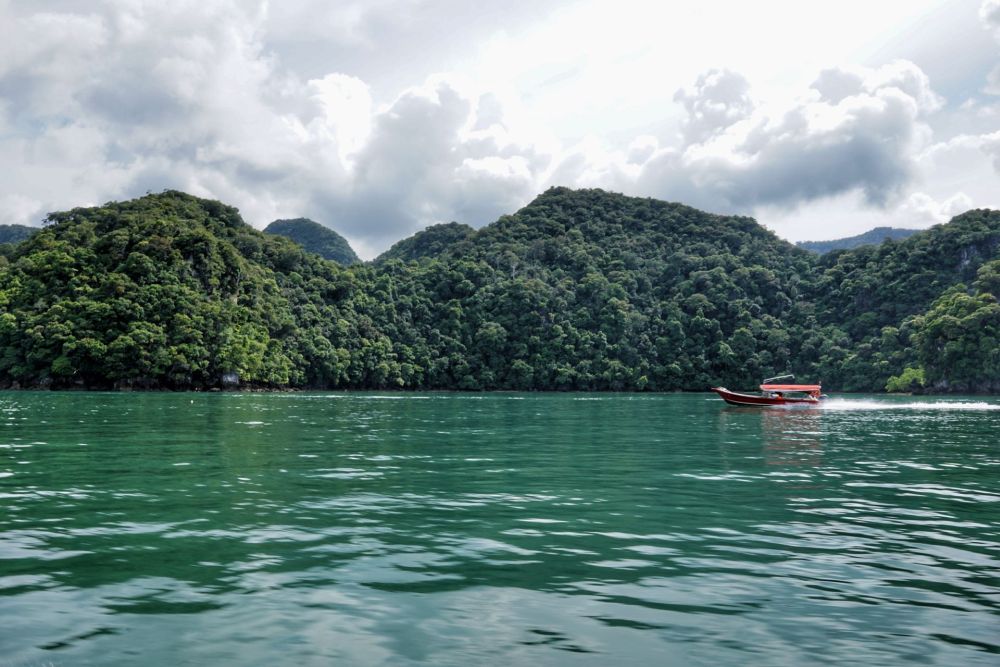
[15,233]
[579,290]
[11,235]
[871,237]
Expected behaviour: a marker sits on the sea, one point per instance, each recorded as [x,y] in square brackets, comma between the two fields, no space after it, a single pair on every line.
[497,529]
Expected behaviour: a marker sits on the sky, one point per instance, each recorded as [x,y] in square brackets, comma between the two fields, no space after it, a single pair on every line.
[380,117]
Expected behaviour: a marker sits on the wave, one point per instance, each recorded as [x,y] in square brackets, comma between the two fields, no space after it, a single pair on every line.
[870,404]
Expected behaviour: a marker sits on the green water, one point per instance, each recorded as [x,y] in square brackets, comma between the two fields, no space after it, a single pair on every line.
[497,529]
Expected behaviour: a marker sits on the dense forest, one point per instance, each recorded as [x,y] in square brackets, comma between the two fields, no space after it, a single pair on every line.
[315,238]
[429,242]
[579,290]
[872,236]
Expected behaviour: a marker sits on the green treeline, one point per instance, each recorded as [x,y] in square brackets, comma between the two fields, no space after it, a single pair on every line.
[580,290]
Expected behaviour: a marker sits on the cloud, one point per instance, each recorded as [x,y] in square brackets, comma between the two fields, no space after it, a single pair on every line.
[436,153]
[720,98]
[992,86]
[920,209]
[18,210]
[989,13]
[119,99]
[857,129]
[990,144]
[269,106]
[964,150]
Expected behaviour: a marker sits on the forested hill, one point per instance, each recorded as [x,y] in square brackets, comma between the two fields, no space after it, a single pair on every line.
[430,242]
[15,233]
[579,231]
[871,237]
[579,290]
[316,238]
[887,301]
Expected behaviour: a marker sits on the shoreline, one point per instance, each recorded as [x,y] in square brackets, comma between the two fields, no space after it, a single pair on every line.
[357,390]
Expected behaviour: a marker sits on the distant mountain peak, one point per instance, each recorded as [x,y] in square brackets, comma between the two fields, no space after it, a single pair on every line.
[315,238]
[871,237]
[15,233]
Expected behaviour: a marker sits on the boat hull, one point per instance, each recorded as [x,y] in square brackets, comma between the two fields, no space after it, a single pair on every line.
[738,398]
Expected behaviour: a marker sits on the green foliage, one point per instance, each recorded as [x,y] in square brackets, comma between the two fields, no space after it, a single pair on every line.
[316,238]
[911,379]
[429,242]
[580,290]
[163,291]
[868,299]
[958,339]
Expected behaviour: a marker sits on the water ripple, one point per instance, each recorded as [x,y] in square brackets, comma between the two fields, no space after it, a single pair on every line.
[444,529]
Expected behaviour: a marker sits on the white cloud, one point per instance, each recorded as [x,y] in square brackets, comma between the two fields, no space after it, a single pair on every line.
[117,98]
[719,100]
[858,129]
[990,144]
[425,161]
[992,86]
[19,210]
[847,215]
[989,13]
[964,153]
[144,96]
[919,208]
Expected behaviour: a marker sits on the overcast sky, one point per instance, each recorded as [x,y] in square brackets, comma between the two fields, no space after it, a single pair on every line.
[379,117]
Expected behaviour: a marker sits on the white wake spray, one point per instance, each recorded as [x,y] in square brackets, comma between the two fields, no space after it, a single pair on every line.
[875,404]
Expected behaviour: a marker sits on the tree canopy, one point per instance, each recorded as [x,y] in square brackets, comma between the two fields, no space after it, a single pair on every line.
[315,238]
[430,242]
[579,290]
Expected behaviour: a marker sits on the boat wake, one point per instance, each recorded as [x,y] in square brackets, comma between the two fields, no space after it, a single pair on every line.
[869,404]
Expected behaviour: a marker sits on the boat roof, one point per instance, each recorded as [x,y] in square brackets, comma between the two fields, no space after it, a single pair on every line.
[790,387]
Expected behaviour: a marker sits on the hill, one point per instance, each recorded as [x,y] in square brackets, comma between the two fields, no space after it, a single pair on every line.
[869,298]
[315,238]
[171,291]
[429,242]
[871,237]
[579,290]
[591,290]
[15,233]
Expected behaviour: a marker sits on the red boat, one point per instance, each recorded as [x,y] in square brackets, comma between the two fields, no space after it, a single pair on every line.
[775,394]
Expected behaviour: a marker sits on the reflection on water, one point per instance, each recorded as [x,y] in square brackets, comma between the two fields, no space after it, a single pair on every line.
[789,436]
[451,529]
[792,437]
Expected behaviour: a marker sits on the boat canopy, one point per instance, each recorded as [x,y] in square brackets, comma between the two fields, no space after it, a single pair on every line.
[790,387]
